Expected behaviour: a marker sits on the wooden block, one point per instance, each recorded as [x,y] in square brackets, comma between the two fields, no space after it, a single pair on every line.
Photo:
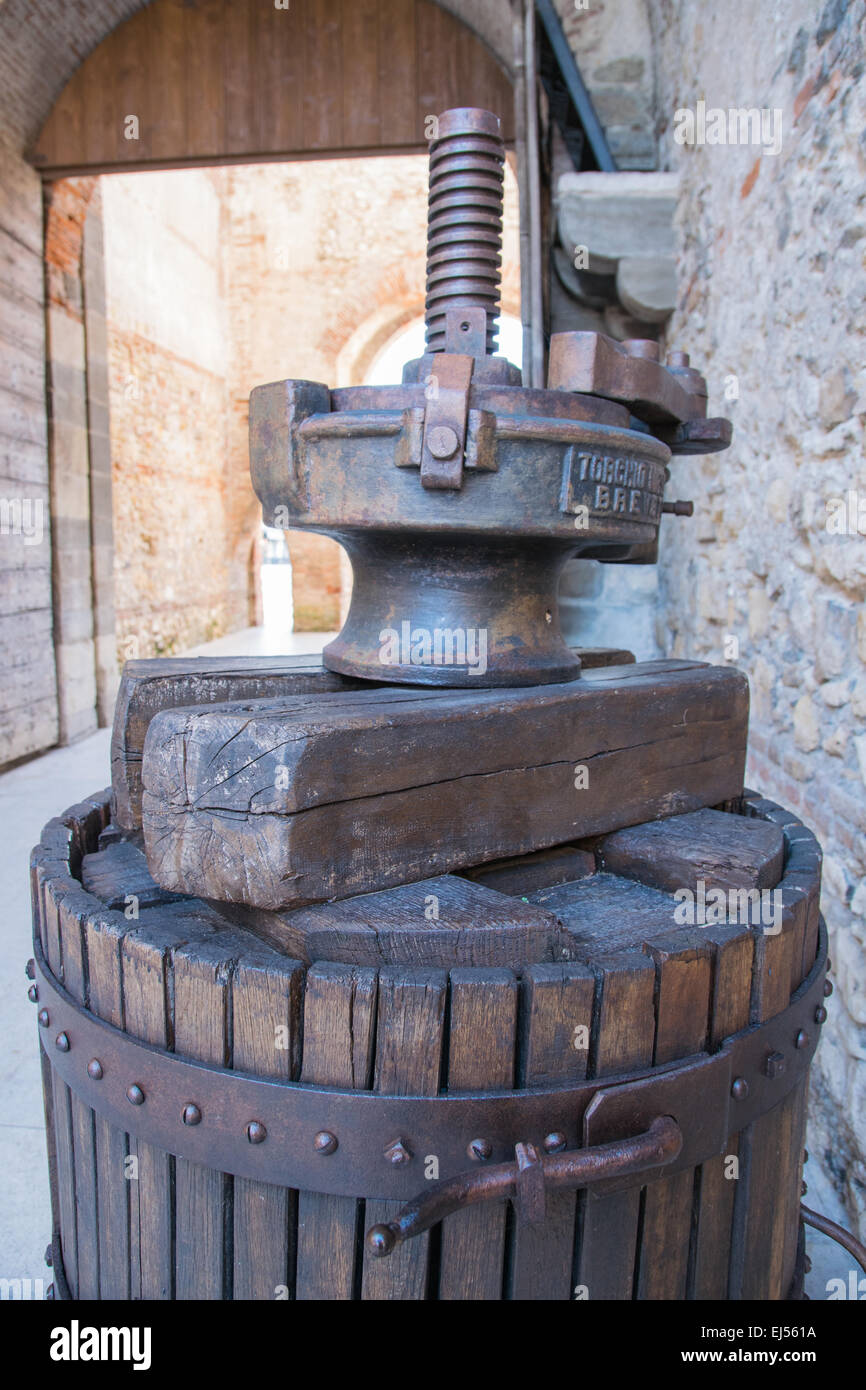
[605,915]
[724,851]
[444,922]
[119,874]
[148,686]
[532,872]
[291,802]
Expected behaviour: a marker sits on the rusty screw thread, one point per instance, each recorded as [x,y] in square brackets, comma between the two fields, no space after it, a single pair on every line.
[464,220]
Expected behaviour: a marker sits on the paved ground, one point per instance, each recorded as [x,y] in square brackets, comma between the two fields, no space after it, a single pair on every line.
[29,796]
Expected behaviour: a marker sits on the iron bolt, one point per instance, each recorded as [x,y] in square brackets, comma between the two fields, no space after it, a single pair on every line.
[820,1014]
[442,441]
[774,1065]
[397,1153]
[191,1115]
[642,347]
[43,1017]
[256,1132]
[135,1095]
[325,1142]
[33,994]
[479,1149]
[828,988]
[61,1042]
[380,1240]
[801,1040]
[554,1143]
[740,1088]
[30,969]
[678,359]
[94,1069]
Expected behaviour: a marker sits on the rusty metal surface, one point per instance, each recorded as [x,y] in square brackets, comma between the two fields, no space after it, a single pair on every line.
[271,1131]
[459,495]
[526,1180]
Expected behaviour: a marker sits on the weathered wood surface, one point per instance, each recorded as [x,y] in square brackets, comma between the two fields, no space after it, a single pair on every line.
[292,802]
[440,921]
[530,872]
[183,975]
[148,686]
[722,850]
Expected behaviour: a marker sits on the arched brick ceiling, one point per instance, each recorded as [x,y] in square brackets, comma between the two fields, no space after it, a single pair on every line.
[42,42]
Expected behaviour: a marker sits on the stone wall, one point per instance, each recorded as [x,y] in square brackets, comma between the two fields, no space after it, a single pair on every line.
[771,268]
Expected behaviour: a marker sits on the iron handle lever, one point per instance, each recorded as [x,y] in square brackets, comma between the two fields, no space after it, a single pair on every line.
[525,1180]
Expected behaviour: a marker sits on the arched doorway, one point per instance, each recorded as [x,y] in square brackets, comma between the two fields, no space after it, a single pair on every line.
[192,85]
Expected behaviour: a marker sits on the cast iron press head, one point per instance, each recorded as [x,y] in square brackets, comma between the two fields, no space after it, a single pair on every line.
[460,494]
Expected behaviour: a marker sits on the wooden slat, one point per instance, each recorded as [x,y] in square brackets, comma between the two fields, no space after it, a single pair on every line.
[362,53]
[683,982]
[482,1039]
[339,1027]
[266,1004]
[145,969]
[397,80]
[202,974]
[203,51]
[130,56]
[733,956]
[168,130]
[323,66]
[61,1102]
[72,910]
[103,934]
[772,1159]
[623,1042]
[557,1000]
[409,1036]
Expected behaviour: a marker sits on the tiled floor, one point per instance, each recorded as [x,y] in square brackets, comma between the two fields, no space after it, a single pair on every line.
[29,796]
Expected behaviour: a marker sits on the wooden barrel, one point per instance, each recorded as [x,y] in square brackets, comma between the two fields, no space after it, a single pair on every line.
[256,1173]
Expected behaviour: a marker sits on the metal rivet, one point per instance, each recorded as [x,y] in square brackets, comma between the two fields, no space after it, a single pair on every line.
[740,1088]
[135,1095]
[33,994]
[256,1132]
[801,1040]
[820,1014]
[828,988]
[398,1153]
[61,1042]
[774,1065]
[30,969]
[442,441]
[381,1240]
[43,1017]
[325,1142]
[94,1069]
[804,1188]
[554,1143]
[479,1149]
[191,1115]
